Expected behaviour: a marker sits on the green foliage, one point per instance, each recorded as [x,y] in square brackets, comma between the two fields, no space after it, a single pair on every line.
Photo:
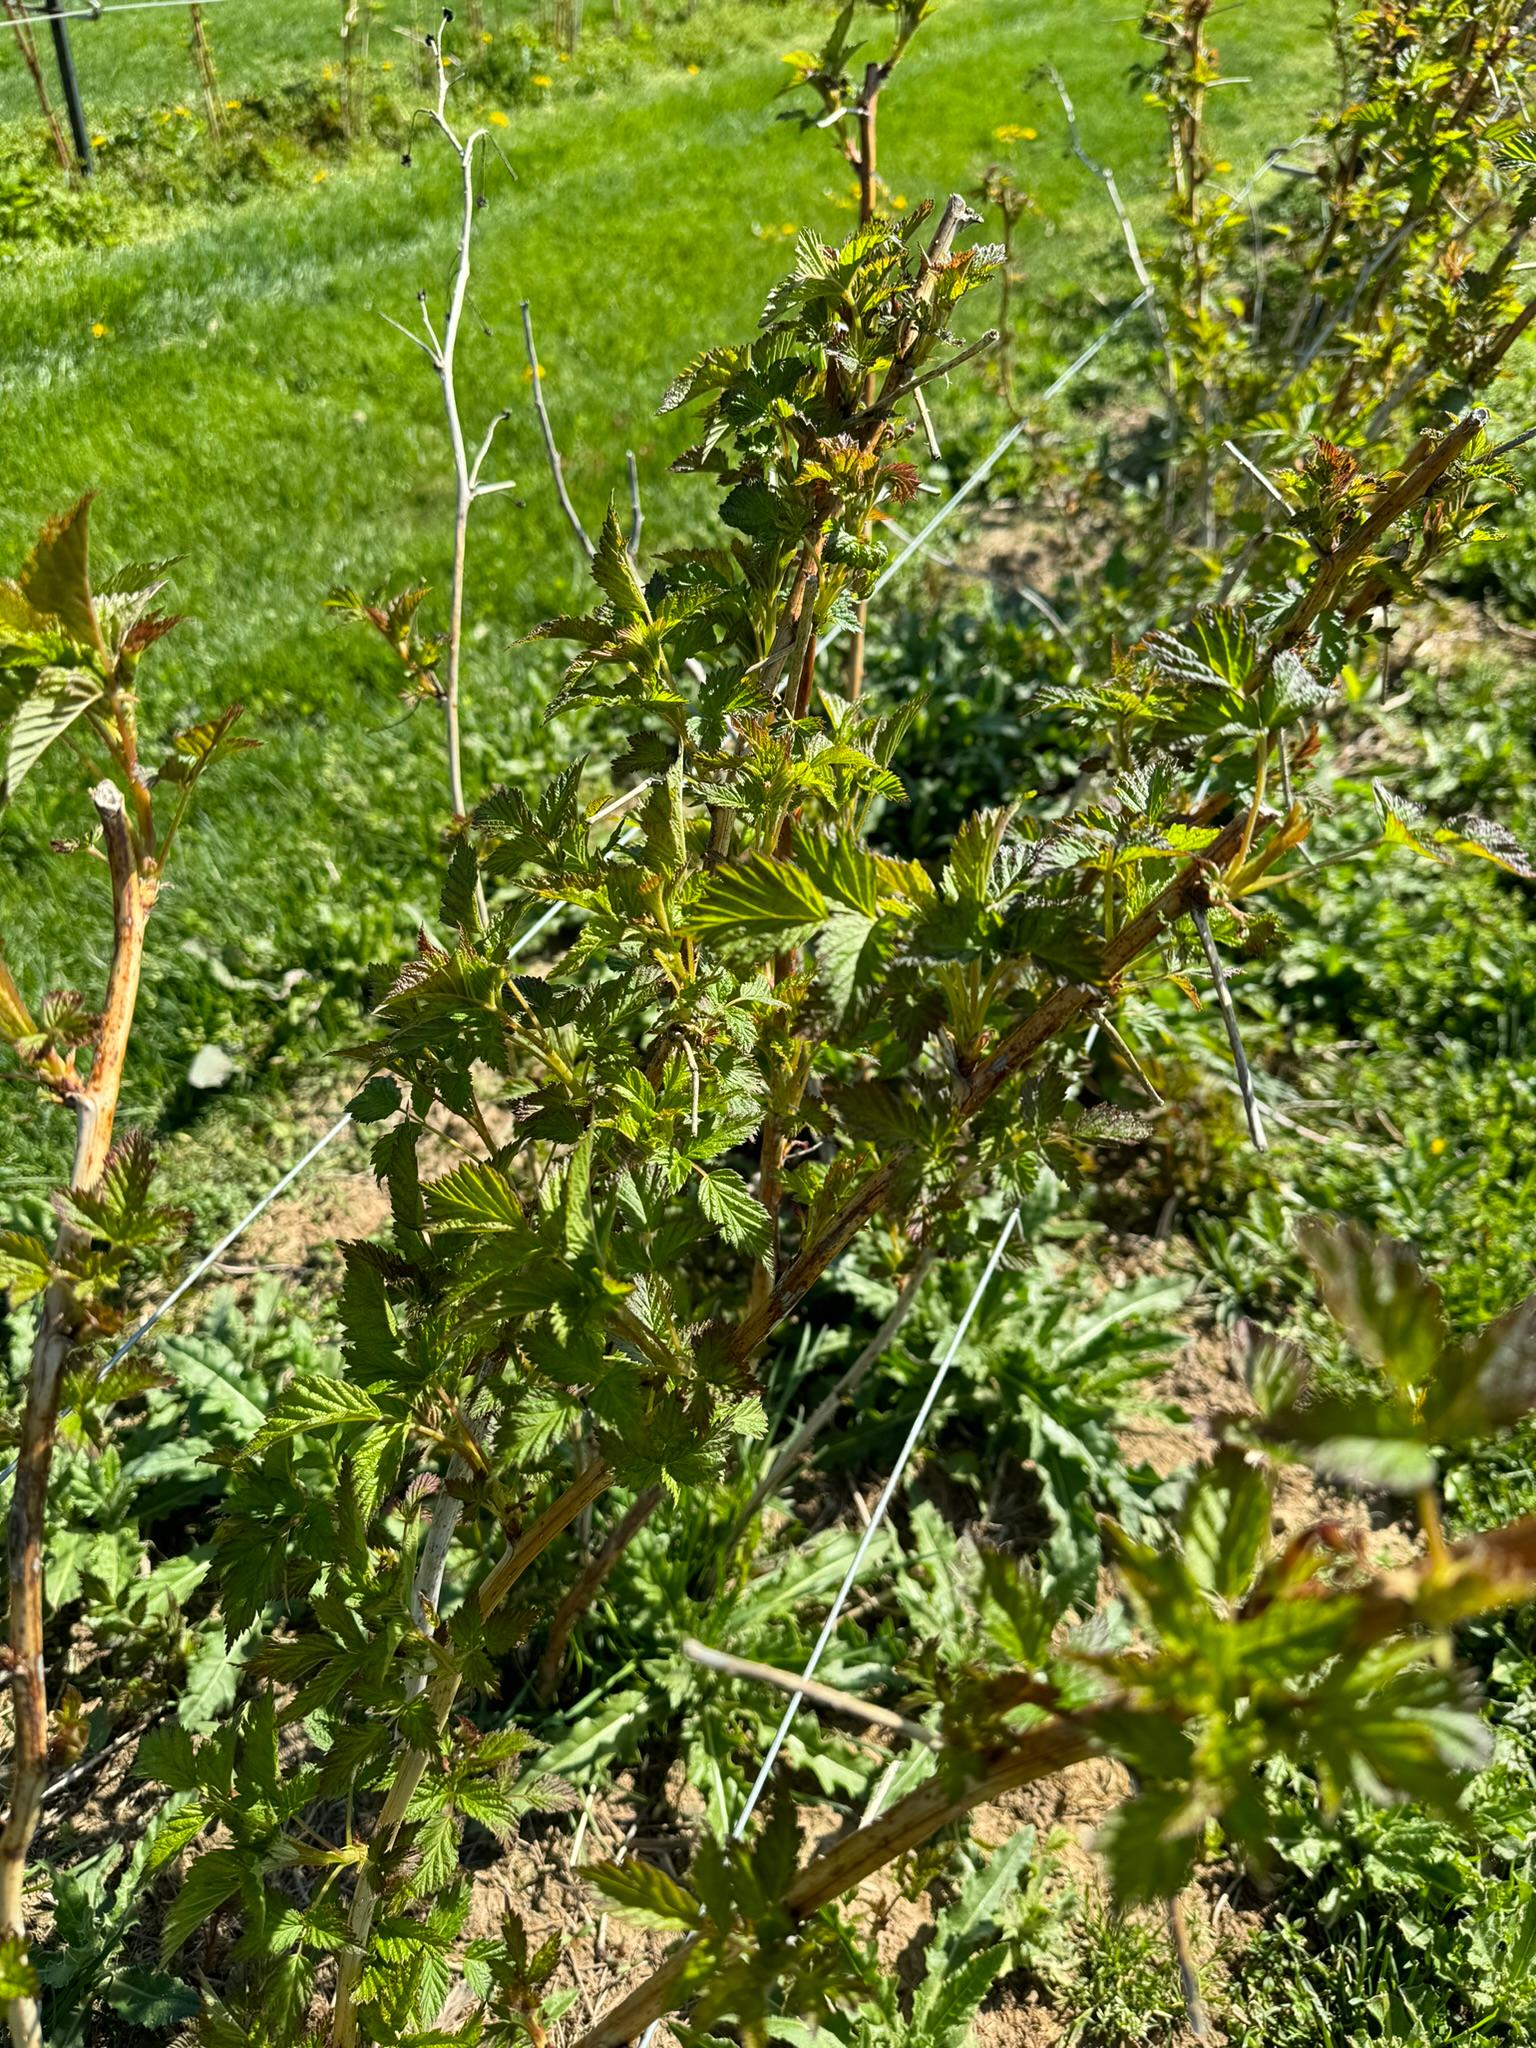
[71,645]
[786,1017]
[1390,1923]
[228,365]
[767,1609]
[996,1915]
[1429,1392]
[1050,1374]
[753,970]
[134,1481]
[1124,1982]
[95,1958]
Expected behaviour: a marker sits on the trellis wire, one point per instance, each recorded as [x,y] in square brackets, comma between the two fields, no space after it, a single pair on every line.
[882,1506]
[45,14]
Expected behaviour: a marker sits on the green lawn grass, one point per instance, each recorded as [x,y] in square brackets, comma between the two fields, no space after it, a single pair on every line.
[248,409]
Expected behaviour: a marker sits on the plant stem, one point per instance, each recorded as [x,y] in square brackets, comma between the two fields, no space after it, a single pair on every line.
[1430,1521]
[207,73]
[798,1444]
[463,490]
[864,164]
[832,1699]
[588,1583]
[1189,1975]
[1333,572]
[1499,1565]
[551,447]
[441,1695]
[95,1113]
[17,14]
[1260,765]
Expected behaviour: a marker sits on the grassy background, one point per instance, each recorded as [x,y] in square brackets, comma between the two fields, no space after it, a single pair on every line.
[247,409]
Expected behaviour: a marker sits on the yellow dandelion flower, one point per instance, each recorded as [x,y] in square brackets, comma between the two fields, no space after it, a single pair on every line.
[789,228]
[98,328]
[693,70]
[233,106]
[499,120]
[320,177]
[98,142]
[327,73]
[387,65]
[486,36]
[540,78]
[185,113]
[1222,166]
[1437,1146]
[528,374]
[900,202]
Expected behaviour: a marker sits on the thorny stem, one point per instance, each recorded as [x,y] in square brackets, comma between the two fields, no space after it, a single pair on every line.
[1322,593]
[1430,1522]
[586,1586]
[591,1481]
[515,1560]
[95,1111]
[798,1444]
[928,375]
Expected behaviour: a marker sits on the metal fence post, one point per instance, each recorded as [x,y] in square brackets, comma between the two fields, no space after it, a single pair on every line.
[71,86]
